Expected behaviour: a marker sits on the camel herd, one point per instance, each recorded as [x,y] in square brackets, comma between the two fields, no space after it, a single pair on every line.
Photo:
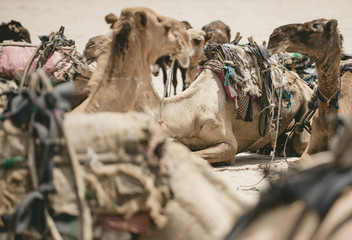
[238,98]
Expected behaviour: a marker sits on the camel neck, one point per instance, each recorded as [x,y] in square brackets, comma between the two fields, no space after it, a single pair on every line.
[328,76]
[118,80]
[149,100]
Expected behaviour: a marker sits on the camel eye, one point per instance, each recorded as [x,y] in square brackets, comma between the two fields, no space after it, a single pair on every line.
[196,41]
[315,25]
[91,45]
[167,28]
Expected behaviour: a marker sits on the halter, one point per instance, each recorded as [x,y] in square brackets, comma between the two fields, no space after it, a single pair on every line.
[331,102]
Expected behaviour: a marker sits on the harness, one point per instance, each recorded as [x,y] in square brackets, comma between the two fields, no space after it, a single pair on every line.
[42,113]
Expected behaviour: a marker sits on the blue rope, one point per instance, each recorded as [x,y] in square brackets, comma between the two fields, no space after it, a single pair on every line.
[229,72]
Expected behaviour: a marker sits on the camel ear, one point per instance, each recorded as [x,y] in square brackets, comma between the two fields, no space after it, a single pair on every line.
[208,36]
[331,26]
[111,19]
[140,19]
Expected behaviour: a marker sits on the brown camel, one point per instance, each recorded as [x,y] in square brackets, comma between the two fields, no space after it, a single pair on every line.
[319,40]
[96,45]
[14,31]
[209,125]
[139,38]
[222,32]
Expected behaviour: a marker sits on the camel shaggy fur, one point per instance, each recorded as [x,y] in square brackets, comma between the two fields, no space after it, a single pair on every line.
[319,40]
[139,38]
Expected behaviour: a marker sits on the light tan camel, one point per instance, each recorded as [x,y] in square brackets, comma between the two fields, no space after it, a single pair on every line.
[198,40]
[204,118]
[319,40]
[139,37]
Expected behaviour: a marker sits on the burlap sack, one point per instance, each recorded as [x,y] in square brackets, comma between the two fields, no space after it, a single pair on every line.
[129,167]
[204,205]
[117,160]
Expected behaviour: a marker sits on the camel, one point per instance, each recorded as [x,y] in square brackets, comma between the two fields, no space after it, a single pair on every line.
[209,125]
[140,37]
[199,39]
[222,32]
[319,40]
[313,203]
[14,31]
[96,45]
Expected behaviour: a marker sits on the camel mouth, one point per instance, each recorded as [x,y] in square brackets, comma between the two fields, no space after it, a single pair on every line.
[183,60]
[185,53]
[276,48]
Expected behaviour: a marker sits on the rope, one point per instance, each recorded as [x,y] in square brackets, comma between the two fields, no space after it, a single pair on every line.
[33,173]
[274,132]
[29,64]
[329,101]
[17,44]
[85,215]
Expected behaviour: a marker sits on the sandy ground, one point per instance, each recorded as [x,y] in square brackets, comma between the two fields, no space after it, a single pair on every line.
[85,18]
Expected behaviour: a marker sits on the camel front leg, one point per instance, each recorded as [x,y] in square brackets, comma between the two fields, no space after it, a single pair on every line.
[319,138]
[219,152]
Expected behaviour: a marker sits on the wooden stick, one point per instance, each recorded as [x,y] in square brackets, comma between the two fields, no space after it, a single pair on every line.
[85,215]
[29,64]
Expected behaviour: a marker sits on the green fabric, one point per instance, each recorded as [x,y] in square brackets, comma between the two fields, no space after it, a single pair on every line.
[286,94]
[8,163]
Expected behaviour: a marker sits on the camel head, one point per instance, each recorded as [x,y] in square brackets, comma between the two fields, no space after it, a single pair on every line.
[222,32]
[314,39]
[198,40]
[153,34]
[14,31]
[95,47]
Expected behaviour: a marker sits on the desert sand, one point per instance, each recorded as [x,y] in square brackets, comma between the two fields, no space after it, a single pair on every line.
[83,19]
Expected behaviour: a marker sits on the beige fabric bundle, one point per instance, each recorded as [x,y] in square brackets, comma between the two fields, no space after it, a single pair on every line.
[120,170]
[129,167]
